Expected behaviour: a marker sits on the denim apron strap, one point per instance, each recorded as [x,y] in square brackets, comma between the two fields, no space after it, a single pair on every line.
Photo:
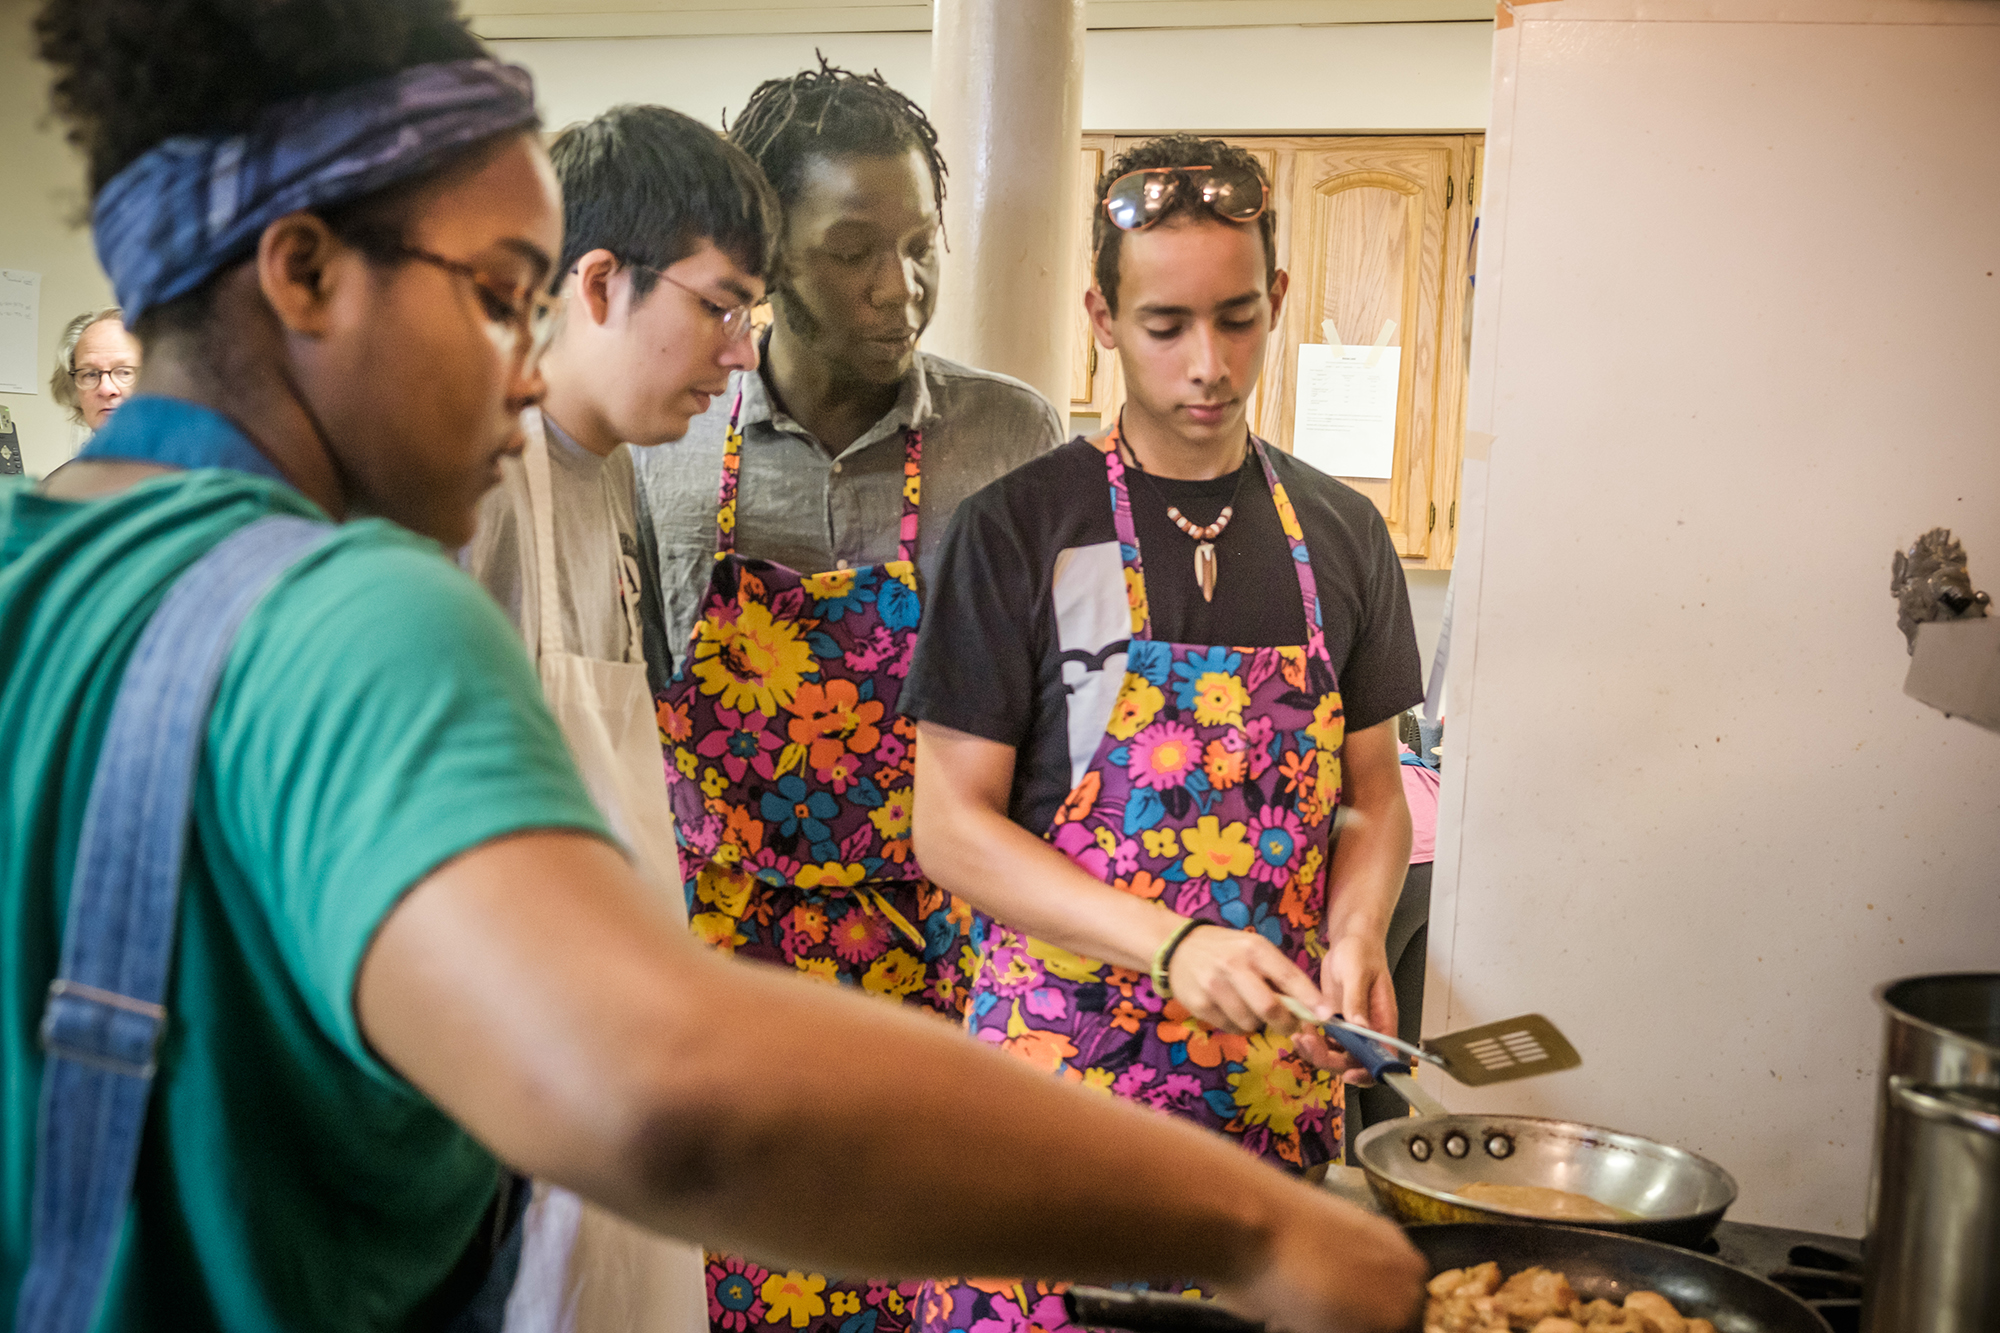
[106,1010]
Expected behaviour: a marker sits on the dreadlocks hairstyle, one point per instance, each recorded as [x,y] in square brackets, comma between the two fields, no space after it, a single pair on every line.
[1174,150]
[831,112]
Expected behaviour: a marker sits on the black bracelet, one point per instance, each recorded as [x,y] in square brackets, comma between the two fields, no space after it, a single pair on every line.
[1164,955]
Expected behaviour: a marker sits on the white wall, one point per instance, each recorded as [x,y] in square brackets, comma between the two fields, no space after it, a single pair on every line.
[1736,339]
[41,191]
[1360,77]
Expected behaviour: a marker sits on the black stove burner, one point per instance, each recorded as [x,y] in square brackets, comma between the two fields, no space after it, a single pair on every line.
[1823,1271]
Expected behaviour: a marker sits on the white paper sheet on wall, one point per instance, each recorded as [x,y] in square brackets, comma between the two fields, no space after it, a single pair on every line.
[1345,421]
[20,329]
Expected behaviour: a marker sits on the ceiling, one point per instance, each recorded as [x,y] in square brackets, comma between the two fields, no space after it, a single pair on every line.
[496,19]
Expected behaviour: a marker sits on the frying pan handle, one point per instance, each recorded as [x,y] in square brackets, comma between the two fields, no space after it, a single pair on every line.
[1375,1058]
[1151,1312]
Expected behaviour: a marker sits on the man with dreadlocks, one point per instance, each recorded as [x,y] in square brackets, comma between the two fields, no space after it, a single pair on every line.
[790,528]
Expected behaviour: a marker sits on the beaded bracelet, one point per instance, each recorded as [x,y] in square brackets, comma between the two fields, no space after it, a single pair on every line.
[1165,955]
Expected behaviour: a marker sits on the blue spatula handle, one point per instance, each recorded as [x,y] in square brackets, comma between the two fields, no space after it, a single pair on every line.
[1375,1058]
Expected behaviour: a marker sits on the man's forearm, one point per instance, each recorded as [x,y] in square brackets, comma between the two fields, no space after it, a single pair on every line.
[1370,862]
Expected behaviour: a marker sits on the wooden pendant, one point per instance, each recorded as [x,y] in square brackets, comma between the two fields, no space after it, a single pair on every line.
[1204,570]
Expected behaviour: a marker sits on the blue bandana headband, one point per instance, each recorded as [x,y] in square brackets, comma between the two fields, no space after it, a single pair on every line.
[192,205]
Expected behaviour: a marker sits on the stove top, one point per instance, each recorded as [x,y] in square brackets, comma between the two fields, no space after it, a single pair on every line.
[1823,1271]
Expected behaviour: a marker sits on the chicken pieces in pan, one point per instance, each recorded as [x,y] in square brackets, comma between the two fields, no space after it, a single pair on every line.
[1536,1300]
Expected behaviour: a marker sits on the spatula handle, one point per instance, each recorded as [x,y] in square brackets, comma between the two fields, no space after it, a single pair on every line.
[1151,1312]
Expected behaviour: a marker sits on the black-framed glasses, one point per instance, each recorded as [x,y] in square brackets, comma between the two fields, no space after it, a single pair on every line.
[738,321]
[532,317]
[1140,198]
[89,379]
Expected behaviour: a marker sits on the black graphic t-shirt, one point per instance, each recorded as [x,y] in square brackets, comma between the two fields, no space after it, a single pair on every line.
[1026,624]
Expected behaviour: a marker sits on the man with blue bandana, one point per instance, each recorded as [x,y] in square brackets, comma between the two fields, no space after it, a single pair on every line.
[309,930]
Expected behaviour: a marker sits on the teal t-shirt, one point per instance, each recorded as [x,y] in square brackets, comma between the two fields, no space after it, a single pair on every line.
[377,717]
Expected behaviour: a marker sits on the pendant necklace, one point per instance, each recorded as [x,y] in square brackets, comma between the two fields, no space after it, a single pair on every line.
[1204,535]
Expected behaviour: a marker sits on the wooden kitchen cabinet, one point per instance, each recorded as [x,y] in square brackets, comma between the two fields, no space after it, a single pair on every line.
[1090,365]
[1371,229]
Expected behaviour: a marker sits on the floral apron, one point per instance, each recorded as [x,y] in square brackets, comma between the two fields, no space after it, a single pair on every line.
[1212,793]
[790,773]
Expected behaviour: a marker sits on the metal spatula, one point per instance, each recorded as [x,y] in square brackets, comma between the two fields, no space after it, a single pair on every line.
[1499,1052]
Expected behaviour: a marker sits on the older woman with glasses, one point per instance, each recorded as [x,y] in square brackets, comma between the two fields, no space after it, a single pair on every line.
[96,366]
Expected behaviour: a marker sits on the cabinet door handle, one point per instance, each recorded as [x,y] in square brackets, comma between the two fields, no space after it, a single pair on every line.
[1447,192]
[1434,517]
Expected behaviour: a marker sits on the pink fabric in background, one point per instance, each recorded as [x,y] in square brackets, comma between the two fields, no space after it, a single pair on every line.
[1420,789]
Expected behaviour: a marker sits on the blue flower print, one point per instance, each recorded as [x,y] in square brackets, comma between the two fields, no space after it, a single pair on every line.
[898,605]
[859,594]
[795,807]
[1149,658]
[1188,673]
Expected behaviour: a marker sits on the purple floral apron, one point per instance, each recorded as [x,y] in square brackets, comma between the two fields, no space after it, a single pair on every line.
[790,774]
[1212,793]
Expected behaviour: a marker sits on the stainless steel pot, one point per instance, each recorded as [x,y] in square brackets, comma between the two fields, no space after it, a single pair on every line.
[1416,1167]
[1934,1188]
[1933,1259]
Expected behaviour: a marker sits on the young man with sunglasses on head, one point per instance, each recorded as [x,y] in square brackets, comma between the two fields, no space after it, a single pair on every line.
[1155,665]
[667,234]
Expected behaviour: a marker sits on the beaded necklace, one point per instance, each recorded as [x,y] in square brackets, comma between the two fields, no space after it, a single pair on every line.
[1204,535]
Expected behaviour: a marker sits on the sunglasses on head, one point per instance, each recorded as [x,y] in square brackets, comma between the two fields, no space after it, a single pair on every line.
[1138,199]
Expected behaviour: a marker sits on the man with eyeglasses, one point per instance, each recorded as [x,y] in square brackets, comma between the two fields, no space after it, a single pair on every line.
[667,233]
[96,366]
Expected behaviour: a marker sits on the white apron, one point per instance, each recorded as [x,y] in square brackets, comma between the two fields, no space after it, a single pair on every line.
[584,1270]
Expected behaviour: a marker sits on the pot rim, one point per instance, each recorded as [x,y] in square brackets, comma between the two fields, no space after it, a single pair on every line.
[1924,1024]
[1715,1169]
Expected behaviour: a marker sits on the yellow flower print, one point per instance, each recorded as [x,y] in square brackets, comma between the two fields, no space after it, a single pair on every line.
[793,1297]
[755,663]
[892,817]
[1219,699]
[833,585]
[1060,962]
[894,1302]
[830,875]
[1161,842]
[894,974]
[1329,775]
[717,930]
[845,1302]
[714,782]
[1098,1079]
[1107,841]
[1215,851]
[1276,1086]
[819,969]
[1135,597]
[1288,517]
[1329,725]
[686,761]
[1139,701]
[913,488]
[725,520]
[727,893]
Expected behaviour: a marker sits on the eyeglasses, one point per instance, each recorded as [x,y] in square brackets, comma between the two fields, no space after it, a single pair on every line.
[737,320]
[122,376]
[1138,199]
[532,316]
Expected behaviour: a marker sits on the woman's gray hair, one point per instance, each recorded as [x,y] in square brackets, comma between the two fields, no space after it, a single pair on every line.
[61,387]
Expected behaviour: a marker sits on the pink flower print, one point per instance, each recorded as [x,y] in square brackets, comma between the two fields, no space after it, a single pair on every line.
[705,835]
[1079,844]
[1178,1094]
[860,936]
[743,741]
[772,868]
[1043,1314]
[841,774]
[891,752]
[868,654]
[1277,840]
[1125,861]
[1259,730]
[1046,1002]
[1013,971]
[734,1293]
[1131,1084]
[1163,755]
[1194,895]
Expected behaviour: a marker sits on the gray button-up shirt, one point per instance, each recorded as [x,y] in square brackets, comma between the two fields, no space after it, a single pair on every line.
[811,510]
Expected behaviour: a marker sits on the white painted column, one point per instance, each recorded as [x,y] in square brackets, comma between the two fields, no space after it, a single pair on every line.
[1007,99]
